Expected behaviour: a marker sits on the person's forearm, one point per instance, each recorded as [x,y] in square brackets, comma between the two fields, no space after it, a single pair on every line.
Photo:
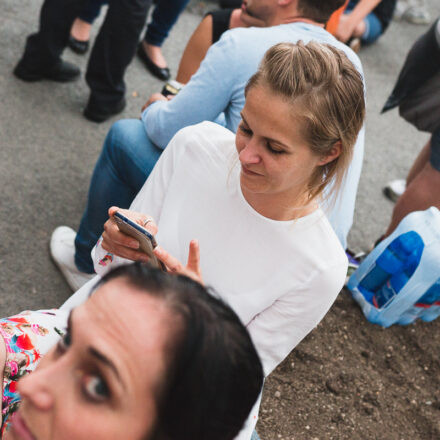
[195,50]
[204,98]
[362,9]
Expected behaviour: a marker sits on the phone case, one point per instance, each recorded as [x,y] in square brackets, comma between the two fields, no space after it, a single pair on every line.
[146,240]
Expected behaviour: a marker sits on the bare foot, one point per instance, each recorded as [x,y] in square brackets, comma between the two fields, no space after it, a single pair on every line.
[80,30]
[155,54]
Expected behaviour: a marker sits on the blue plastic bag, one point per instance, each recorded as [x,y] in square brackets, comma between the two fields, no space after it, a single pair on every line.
[396,300]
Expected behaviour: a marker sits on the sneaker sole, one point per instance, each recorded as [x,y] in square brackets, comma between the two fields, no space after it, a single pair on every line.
[66,275]
[72,283]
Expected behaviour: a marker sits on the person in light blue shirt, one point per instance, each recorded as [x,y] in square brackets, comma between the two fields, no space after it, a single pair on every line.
[214,93]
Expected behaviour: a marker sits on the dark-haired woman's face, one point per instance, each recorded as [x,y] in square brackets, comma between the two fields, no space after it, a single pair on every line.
[101,380]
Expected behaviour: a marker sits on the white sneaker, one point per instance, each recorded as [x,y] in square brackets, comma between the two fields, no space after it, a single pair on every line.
[412,11]
[62,249]
[394,189]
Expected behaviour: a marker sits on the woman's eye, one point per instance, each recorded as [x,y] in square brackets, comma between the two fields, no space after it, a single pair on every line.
[95,388]
[65,342]
[273,150]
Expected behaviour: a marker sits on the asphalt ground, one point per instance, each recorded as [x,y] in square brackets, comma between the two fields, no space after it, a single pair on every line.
[48,150]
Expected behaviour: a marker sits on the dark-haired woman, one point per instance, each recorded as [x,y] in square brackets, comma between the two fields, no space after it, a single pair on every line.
[147,356]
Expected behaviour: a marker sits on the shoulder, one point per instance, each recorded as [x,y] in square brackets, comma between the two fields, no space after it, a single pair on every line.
[250,41]
[205,139]
[205,131]
[351,55]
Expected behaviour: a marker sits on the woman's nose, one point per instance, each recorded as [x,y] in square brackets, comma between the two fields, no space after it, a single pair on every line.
[250,153]
[39,387]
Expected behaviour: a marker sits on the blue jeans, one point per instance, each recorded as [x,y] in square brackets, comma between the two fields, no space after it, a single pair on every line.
[126,160]
[164,17]
[374,28]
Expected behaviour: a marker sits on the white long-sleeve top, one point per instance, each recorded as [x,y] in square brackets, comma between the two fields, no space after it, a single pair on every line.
[280,277]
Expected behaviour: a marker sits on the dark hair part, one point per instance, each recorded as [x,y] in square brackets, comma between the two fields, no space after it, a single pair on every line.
[326,94]
[214,374]
[319,10]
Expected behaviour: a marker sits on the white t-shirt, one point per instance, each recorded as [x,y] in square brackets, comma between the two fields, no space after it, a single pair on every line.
[280,277]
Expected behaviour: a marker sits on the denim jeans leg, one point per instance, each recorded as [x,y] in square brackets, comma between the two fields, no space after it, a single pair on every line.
[127,158]
[165,15]
[373,29]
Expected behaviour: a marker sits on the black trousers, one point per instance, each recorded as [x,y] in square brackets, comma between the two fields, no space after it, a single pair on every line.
[112,52]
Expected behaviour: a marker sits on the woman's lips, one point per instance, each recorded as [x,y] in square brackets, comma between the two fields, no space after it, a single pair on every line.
[20,428]
[248,172]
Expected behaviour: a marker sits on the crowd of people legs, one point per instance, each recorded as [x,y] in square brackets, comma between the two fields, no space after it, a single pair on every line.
[255,149]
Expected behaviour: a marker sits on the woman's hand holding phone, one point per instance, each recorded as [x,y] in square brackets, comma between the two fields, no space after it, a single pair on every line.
[120,244]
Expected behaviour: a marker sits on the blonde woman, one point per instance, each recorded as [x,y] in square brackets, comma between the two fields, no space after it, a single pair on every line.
[252,200]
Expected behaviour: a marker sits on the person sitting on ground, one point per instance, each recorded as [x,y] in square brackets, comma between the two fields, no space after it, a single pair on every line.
[364,21]
[164,17]
[252,200]
[147,356]
[417,94]
[133,146]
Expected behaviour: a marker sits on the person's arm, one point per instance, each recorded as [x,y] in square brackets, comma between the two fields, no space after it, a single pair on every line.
[204,98]
[195,50]
[147,203]
[351,22]
[277,330]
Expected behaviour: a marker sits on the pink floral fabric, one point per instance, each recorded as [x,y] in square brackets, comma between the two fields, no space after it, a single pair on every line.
[27,336]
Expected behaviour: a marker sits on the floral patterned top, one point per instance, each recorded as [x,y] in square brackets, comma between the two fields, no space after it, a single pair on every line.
[27,336]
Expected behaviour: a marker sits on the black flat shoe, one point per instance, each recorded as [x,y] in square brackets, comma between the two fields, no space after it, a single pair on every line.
[162,73]
[79,47]
[62,71]
[96,113]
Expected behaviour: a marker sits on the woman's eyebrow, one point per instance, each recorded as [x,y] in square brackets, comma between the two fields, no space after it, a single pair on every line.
[96,353]
[266,138]
[106,361]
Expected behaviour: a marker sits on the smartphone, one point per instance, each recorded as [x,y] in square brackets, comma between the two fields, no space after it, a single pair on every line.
[147,242]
